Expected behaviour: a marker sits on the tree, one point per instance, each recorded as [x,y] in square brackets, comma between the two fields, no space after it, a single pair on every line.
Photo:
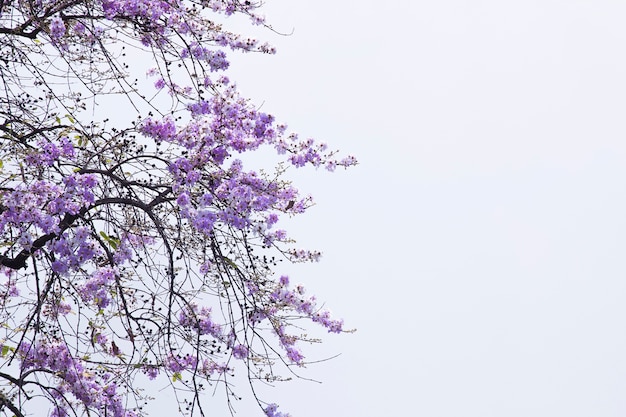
[134,244]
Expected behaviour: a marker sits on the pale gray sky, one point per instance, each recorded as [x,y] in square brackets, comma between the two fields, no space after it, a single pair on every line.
[479,246]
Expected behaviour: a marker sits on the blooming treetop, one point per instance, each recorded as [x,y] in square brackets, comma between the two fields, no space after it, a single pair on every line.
[141,249]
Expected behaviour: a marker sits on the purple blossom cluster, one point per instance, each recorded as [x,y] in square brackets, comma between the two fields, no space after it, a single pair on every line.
[230,122]
[240,351]
[179,363]
[29,205]
[38,208]
[216,59]
[48,152]
[160,130]
[151,10]
[78,193]
[56,308]
[96,391]
[199,319]
[222,125]
[57,28]
[160,20]
[97,288]
[72,249]
[296,300]
[283,300]
[8,290]
[271,411]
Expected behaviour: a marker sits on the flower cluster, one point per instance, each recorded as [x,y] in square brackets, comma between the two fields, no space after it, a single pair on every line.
[200,320]
[48,152]
[178,363]
[57,28]
[216,59]
[96,289]
[223,125]
[95,391]
[295,300]
[26,206]
[72,249]
[240,351]
[39,208]
[151,10]
[271,411]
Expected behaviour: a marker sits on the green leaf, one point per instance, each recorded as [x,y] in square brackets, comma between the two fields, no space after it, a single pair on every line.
[112,241]
[6,349]
[177,377]
[229,262]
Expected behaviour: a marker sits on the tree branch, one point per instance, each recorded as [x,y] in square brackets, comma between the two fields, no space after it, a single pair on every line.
[19,261]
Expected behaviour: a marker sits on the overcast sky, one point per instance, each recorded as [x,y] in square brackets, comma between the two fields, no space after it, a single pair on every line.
[479,246]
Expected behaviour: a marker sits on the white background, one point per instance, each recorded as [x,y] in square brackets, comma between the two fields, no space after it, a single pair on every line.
[479,246]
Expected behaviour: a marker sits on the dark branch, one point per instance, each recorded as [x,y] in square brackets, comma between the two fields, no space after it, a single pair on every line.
[19,261]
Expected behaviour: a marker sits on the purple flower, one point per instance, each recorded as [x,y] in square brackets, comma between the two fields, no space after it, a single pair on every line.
[151,371]
[183,199]
[294,355]
[79,28]
[270,411]
[57,28]
[240,352]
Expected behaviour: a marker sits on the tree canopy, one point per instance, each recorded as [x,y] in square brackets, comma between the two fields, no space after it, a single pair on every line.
[136,243]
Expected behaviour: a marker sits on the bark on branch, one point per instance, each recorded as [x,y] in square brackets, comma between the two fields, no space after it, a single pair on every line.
[19,261]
